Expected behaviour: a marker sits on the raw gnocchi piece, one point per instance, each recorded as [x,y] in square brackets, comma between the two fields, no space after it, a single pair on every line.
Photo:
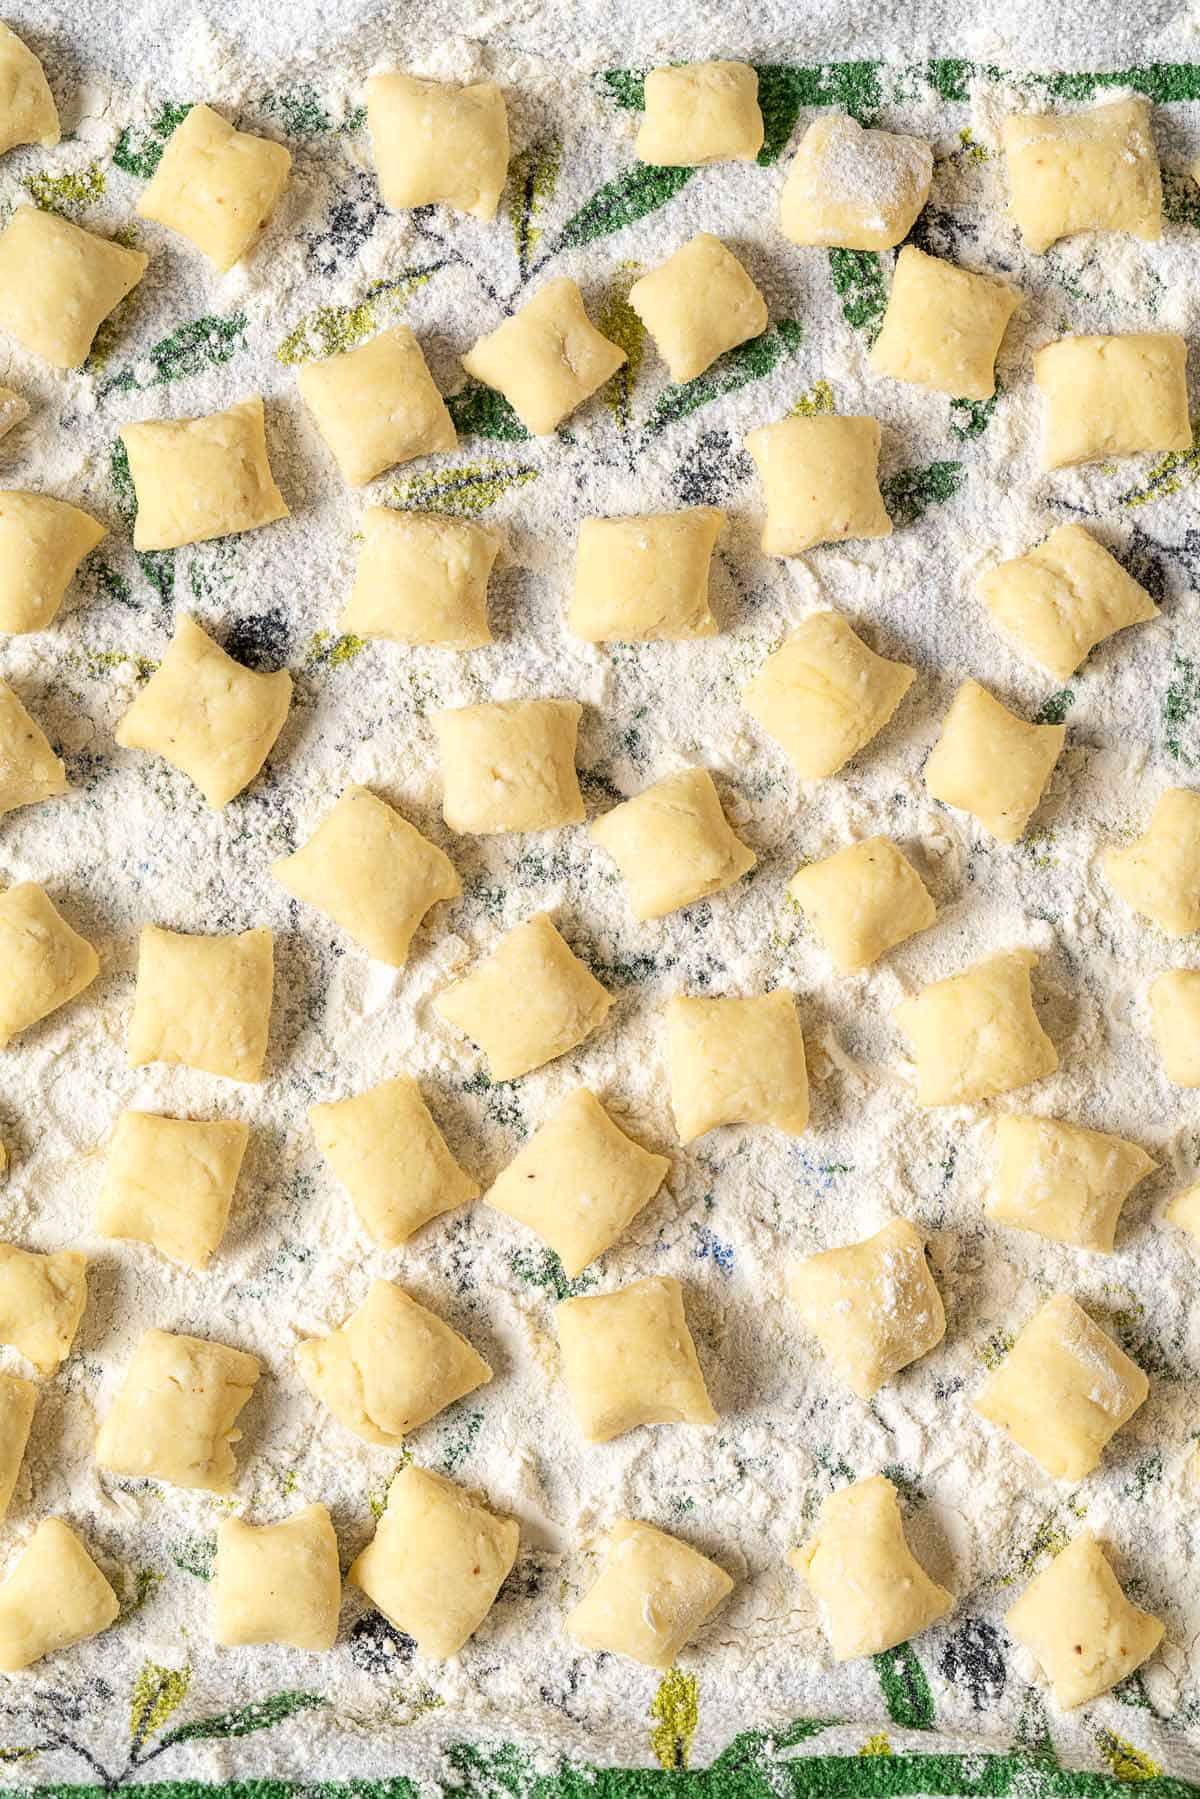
[1063,1181]
[824,695]
[203,1001]
[200,478]
[1083,1632]
[169,1182]
[638,580]
[436,1562]
[873,1306]
[628,1359]
[18,1399]
[736,1061]
[438,144]
[1175,1012]
[547,359]
[863,901]
[29,769]
[1184,1210]
[28,114]
[821,480]
[42,543]
[372,872]
[175,1416]
[852,189]
[976,1035]
[673,844]
[652,1596]
[216,186]
[58,283]
[579,1182]
[1159,873]
[387,1152]
[42,1299]
[277,1583]
[207,715]
[528,1002]
[1113,396]
[422,578]
[698,304]
[700,112]
[990,763]
[377,405]
[1063,1390]
[943,326]
[14,407]
[391,1367]
[43,962]
[1095,170]
[510,766]
[1062,598]
[53,1597]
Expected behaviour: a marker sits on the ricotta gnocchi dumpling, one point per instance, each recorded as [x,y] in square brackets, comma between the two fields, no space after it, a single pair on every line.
[510,766]
[579,1182]
[547,359]
[638,580]
[1095,170]
[388,1153]
[700,112]
[698,304]
[1081,1629]
[58,283]
[1113,396]
[29,769]
[976,1035]
[736,1061]
[1063,1181]
[43,962]
[852,189]
[216,186]
[873,1306]
[872,1590]
[628,1359]
[820,476]
[18,1401]
[1062,598]
[422,578]
[1184,1210]
[42,543]
[175,1415]
[1063,1390]
[1159,873]
[1175,1012]
[673,844]
[28,114]
[53,1597]
[943,326]
[438,144]
[823,695]
[277,1583]
[377,405]
[863,901]
[653,1595]
[990,763]
[203,1001]
[169,1182]
[42,1299]
[200,478]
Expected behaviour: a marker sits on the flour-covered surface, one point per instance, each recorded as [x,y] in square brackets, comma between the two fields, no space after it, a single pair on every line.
[134,842]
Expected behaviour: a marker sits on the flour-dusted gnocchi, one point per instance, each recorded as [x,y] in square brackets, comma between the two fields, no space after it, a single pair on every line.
[29,769]
[943,326]
[1063,1181]
[436,1562]
[1063,1390]
[527,1002]
[28,114]
[579,1182]
[1175,1017]
[698,304]
[216,186]
[203,1001]
[372,872]
[1113,396]
[510,766]
[628,1359]
[438,144]
[277,1583]
[976,1035]
[169,1182]
[641,579]
[824,695]
[207,715]
[990,763]
[18,1401]
[377,405]
[820,476]
[388,1153]
[200,478]
[852,189]
[175,1415]
[42,543]
[736,1061]
[652,1596]
[43,962]
[700,112]
[547,359]
[873,1306]
[391,1367]
[872,1590]
[673,844]
[422,578]
[1095,170]
[42,1299]
[1158,874]
[54,1597]
[863,901]
[1062,598]
[58,283]
[1184,1211]
[1083,1632]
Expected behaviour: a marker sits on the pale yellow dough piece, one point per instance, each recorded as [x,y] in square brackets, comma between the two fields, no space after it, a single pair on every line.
[43,962]
[628,1359]
[1175,1013]
[436,143]
[700,112]
[436,1562]
[852,189]
[372,872]
[58,283]
[821,481]
[391,1367]
[870,1586]
[579,1182]
[18,1400]
[1113,396]
[216,186]
[53,1597]
[201,478]
[14,409]
[651,1598]
[1063,1181]
[1062,598]
[1159,873]
[547,359]
[42,543]
[29,769]
[175,1415]
[422,578]
[1184,1210]
[510,766]
[1095,170]
[976,1035]
[943,326]
[873,1306]
[736,1061]
[28,114]
[863,901]
[169,1182]
[990,763]
[388,1153]
[277,1583]
[377,405]
[824,695]
[673,844]
[42,1299]
[203,1001]
[698,304]
[1083,1632]
[641,579]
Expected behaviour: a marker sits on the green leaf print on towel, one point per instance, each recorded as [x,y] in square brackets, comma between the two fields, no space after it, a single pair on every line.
[749,362]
